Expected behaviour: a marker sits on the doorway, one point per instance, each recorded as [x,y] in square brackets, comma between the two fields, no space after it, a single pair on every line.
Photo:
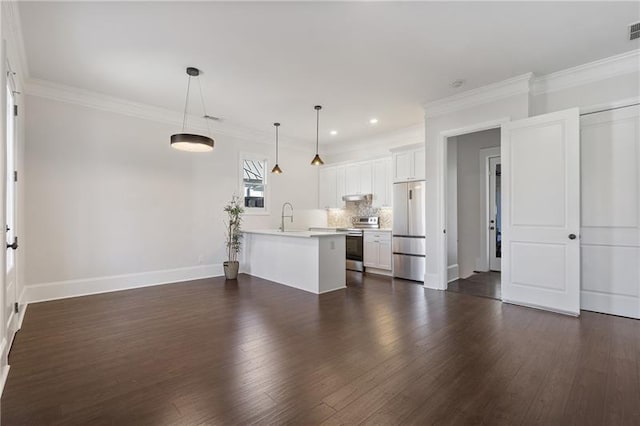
[494,230]
[474,213]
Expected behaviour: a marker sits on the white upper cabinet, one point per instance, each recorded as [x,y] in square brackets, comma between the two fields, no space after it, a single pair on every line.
[352,182]
[382,183]
[409,163]
[358,178]
[341,185]
[367,177]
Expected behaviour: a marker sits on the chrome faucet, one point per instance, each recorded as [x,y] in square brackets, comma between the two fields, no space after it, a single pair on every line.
[283,216]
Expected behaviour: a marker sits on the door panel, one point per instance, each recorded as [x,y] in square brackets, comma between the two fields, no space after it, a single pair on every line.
[541,211]
[416,208]
[403,245]
[400,205]
[408,267]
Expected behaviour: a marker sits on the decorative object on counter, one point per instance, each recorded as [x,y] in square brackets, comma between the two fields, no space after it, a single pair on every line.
[189,141]
[233,225]
[276,169]
[317,161]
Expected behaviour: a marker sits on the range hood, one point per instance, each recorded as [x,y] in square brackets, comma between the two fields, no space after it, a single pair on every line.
[358,197]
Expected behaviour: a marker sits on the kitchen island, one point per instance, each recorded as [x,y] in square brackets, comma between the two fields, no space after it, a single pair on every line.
[313,261]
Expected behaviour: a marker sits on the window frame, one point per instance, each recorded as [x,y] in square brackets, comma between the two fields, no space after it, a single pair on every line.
[254,211]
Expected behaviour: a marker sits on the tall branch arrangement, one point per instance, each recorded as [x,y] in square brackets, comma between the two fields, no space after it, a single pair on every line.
[233,225]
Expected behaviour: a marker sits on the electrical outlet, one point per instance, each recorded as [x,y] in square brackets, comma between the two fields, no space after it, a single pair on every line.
[332,245]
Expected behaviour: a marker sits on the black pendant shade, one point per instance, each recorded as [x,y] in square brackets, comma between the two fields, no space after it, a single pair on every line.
[317,161]
[189,141]
[276,169]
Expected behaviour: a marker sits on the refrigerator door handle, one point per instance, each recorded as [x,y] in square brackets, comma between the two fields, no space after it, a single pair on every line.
[411,194]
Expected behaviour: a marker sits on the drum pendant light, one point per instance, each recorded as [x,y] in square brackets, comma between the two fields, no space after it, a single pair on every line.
[189,141]
[276,169]
[317,161]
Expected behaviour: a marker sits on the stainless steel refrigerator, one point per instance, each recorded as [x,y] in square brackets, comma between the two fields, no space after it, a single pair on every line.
[409,230]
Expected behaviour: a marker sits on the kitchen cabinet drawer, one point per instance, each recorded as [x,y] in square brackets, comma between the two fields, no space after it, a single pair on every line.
[377,236]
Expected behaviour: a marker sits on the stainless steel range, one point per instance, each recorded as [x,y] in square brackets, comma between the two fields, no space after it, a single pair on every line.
[355,240]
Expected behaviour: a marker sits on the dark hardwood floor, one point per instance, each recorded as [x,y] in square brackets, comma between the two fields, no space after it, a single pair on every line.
[483,284]
[378,352]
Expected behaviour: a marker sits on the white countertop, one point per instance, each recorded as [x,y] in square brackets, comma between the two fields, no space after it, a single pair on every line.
[326,229]
[294,233]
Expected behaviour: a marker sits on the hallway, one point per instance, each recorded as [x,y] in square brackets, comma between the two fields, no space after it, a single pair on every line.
[483,284]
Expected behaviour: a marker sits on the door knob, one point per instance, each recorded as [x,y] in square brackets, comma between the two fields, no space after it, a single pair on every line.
[572,236]
[14,245]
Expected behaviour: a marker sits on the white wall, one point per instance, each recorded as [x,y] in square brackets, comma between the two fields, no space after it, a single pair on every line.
[11,50]
[471,201]
[612,82]
[106,196]
[373,147]
[513,107]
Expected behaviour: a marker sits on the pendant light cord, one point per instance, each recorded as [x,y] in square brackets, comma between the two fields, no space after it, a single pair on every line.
[317,128]
[204,110]
[277,144]
[186,105]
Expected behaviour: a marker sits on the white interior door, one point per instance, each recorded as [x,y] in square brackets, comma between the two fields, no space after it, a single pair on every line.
[495,216]
[610,241]
[541,212]
[11,296]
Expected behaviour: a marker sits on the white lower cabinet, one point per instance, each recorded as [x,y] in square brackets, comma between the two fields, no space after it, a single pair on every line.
[377,249]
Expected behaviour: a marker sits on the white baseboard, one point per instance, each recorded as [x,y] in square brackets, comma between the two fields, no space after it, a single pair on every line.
[4,374]
[432,281]
[377,271]
[453,273]
[22,306]
[84,287]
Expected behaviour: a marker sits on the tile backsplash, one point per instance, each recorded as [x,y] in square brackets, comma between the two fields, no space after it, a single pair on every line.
[341,218]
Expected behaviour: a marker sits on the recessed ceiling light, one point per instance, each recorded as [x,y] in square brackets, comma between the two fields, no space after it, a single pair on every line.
[373,121]
[458,83]
[333,132]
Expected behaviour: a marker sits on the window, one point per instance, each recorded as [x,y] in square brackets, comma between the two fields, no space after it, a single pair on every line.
[254,183]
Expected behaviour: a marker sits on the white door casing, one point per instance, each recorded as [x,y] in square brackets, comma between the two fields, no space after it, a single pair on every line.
[541,212]
[11,293]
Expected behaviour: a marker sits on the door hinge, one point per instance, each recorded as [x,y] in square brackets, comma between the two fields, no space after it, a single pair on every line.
[15,110]
[15,175]
[16,307]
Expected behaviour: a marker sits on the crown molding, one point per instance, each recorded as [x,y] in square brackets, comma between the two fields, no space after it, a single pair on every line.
[602,69]
[481,95]
[11,18]
[89,99]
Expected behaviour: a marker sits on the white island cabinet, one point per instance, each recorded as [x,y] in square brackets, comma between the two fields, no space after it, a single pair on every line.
[314,261]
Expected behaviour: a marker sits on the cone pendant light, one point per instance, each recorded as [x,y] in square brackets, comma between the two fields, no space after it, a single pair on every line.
[189,141]
[317,161]
[276,169]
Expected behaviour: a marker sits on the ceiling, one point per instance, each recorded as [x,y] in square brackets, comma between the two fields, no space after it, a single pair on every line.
[264,62]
